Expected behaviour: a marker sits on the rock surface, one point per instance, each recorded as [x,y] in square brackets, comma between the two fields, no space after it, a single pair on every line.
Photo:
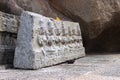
[99,20]
[10,6]
[38,6]
[97,66]
[43,41]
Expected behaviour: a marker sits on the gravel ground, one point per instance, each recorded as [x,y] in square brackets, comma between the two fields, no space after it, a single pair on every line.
[92,67]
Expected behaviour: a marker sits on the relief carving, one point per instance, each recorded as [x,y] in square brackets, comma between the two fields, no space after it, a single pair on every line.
[53,39]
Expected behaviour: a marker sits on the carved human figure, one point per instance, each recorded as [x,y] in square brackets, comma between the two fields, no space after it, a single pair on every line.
[70,37]
[75,37]
[50,38]
[57,39]
[42,37]
[64,38]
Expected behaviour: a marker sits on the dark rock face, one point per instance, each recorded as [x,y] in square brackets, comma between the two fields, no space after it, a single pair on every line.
[99,21]
[7,47]
[10,6]
[109,39]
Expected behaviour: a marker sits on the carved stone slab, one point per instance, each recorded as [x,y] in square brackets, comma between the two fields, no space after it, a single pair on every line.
[8,35]
[43,41]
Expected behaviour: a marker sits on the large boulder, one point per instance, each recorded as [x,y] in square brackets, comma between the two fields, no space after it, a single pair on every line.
[99,20]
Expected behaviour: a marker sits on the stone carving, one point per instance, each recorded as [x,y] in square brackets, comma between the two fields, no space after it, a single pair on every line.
[8,30]
[44,42]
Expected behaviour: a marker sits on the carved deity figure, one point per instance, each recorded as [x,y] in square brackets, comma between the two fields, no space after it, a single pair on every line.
[70,37]
[64,38]
[58,38]
[42,37]
[50,38]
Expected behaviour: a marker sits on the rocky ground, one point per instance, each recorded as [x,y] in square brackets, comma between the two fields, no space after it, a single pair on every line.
[92,67]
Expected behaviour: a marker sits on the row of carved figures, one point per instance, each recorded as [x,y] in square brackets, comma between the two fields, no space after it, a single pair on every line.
[50,40]
[50,45]
[58,32]
[53,29]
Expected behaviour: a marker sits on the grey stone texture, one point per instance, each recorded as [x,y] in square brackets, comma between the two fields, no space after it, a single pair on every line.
[8,23]
[8,35]
[7,47]
[43,42]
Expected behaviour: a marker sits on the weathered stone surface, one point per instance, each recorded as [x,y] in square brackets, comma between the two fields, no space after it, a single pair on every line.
[8,34]
[7,47]
[8,23]
[44,42]
[10,6]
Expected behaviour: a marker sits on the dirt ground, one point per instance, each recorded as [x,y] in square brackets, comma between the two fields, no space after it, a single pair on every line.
[102,66]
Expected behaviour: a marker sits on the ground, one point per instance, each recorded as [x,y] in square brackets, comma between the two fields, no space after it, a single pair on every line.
[102,66]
